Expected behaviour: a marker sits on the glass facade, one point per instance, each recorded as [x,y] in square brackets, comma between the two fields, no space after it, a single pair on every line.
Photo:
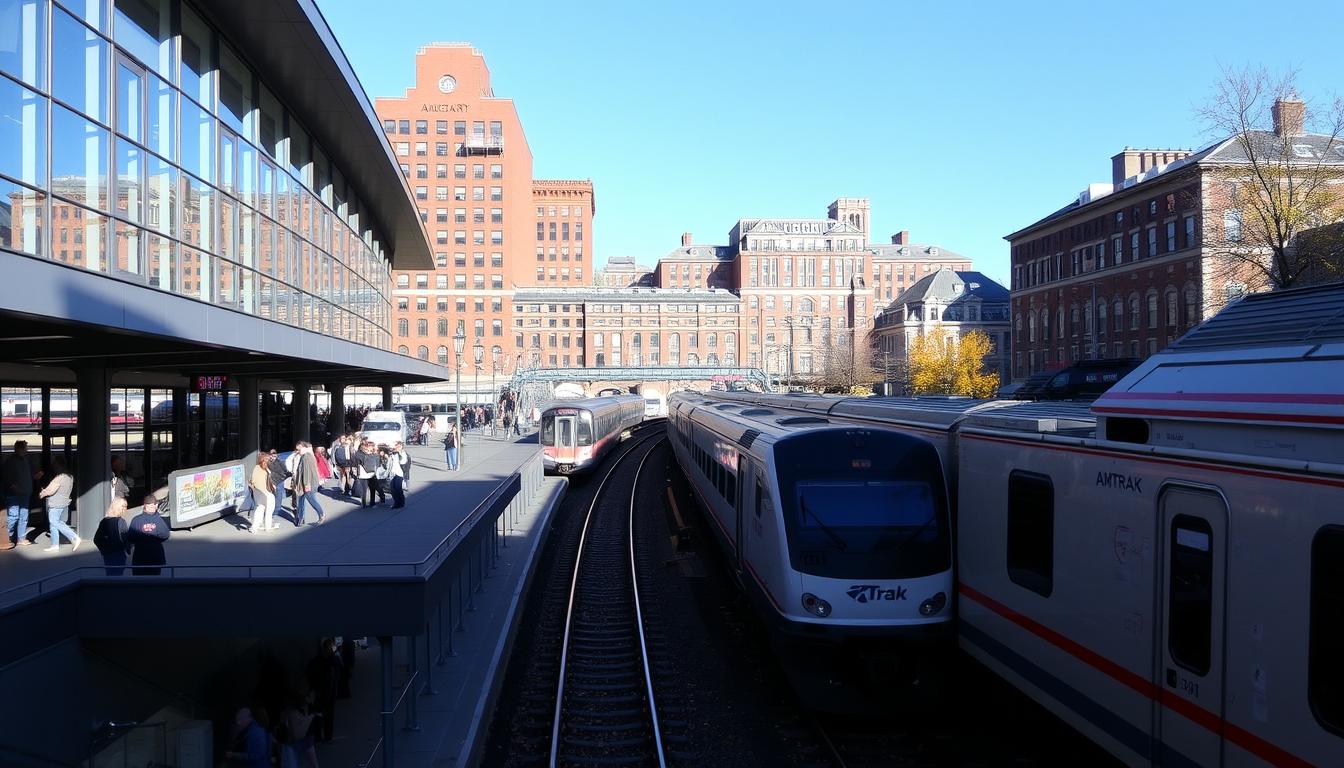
[137,143]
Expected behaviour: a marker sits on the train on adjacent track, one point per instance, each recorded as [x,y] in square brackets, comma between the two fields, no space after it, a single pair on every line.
[1163,568]
[576,434]
[839,534]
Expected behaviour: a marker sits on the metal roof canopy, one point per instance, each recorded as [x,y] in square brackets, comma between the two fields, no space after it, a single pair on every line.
[299,59]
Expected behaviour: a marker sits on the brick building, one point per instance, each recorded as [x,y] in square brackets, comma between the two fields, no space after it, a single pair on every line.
[492,226]
[1127,267]
[623,272]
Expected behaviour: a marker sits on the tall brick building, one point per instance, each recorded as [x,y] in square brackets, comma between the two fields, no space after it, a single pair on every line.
[492,226]
[1127,267]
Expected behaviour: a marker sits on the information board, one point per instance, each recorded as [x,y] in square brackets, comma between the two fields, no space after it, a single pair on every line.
[200,494]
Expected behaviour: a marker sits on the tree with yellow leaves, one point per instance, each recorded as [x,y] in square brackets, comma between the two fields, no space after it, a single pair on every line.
[943,363]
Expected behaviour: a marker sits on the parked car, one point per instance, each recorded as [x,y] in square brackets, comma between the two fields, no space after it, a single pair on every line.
[1086,379]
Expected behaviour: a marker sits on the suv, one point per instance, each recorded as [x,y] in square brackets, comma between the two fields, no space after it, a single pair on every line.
[1085,380]
[384,427]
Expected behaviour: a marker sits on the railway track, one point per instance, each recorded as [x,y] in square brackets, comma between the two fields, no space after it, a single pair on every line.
[605,708]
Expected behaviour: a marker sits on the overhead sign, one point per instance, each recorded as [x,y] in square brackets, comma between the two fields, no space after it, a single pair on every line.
[211,383]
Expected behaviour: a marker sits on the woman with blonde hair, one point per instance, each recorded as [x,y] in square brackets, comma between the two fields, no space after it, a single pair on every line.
[110,538]
[263,495]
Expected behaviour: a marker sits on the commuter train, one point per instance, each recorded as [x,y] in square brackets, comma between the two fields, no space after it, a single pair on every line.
[1164,570]
[839,534]
[576,434]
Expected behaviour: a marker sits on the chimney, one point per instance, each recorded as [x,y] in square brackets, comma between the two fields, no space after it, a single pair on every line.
[1290,115]
[685,238]
[1132,162]
[901,238]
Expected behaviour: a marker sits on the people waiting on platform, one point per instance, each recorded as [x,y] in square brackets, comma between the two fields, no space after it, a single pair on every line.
[263,495]
[58,493]
[18,477]
[367,474]
[146,534]
[111,539]
[307,480]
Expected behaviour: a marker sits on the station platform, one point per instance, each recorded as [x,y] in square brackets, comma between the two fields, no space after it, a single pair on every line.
[433,588]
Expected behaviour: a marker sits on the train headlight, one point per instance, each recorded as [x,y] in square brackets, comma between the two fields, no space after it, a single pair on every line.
[815,605]
[933,605]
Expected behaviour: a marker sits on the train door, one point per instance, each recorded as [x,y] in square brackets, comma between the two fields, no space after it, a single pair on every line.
[1192,591]
[745,492]
[566,438]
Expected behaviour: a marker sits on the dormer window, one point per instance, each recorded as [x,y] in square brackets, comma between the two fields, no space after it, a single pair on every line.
[1303,150]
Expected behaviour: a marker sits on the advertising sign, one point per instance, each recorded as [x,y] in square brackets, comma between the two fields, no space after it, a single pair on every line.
[201,494]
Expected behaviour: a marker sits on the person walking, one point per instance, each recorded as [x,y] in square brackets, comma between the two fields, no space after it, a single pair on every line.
[340,454]
[306,482]
[263,495]
[251,746]
[450,445]
[18,479]
[111,539]
[324,680]
[146,534]
[396,467]
[291,482]
[57,493]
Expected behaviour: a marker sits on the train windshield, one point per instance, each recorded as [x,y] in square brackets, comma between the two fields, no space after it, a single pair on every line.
[586,428]
[863,504]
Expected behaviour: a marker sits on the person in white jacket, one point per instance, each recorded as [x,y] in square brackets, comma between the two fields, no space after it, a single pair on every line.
[396,474]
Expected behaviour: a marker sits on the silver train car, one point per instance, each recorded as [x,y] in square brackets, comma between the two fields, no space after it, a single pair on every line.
[576,434]
[1164,570]
[838,534]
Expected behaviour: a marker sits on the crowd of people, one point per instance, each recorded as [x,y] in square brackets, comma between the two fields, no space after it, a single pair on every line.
[288,720]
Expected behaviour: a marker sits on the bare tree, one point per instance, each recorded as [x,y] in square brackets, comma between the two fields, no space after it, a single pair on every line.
[1274,188]
[848,364]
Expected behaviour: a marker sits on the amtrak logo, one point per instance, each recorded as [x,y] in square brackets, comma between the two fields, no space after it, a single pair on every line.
[863,593]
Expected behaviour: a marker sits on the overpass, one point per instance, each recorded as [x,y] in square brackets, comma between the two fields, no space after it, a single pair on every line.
[628,375]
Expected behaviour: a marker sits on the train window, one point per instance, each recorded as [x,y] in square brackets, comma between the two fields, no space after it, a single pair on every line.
[548,430]
[760,498]
[1190,600]
[1031,532]
[1325,663]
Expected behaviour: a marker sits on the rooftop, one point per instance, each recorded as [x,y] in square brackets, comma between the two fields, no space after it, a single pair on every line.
[946,286]
[593,293]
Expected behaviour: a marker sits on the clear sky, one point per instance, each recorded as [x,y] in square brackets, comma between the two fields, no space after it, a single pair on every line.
[961,121]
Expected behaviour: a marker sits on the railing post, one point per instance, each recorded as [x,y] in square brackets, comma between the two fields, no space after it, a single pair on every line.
[461,600]
[428,688]
[412,671]
[385,649]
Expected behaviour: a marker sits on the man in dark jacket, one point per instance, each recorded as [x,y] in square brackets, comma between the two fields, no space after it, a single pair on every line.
[146,535]
[306,483]
[324,680]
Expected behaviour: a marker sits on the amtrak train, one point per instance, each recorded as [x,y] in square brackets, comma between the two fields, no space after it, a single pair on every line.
[839,534]
[576,434]
[1164,570]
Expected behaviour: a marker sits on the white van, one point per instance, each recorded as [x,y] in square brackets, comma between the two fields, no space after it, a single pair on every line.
[384,427]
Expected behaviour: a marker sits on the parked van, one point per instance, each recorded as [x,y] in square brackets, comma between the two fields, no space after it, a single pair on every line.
[1085,379]
[384,427]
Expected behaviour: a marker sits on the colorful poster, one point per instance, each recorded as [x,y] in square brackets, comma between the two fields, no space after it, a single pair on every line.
[202,492]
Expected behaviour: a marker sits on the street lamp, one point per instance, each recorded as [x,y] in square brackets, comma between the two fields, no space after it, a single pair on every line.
[478,350]
[494,393]
[459,344]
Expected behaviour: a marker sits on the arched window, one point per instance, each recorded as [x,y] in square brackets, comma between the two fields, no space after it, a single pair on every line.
[1152,309]
[1087,318]
[1101,317]
[496,353]
[805,306]
[1059,323]
[712,341]
[442,355]
[1045,325]
[402,350]
[403,327]
[1118,315]
[674,348]
[693,340]
[422,352]
[422,327]
[1017,326]
[1191,305]
[1073,320]
[1134,312]
[730,342]
[1031,327]
[1173,308]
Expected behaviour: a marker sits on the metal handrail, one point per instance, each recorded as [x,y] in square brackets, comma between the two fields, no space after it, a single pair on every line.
[378,745]
[76,575]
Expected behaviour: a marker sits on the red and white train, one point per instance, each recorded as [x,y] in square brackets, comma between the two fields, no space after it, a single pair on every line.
[1164,569]
[576,434]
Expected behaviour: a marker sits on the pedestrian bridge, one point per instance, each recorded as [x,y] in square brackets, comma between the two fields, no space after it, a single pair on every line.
[639,374]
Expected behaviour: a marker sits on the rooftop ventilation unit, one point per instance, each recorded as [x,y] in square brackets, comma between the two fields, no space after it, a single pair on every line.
[790,421]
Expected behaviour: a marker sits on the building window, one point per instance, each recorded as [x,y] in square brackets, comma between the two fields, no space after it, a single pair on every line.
[422,352]
[1189,231]
[1031,532]
[422,327]
[1152,310]
[1171,236]
[1232,226]
[1325,664]
[1190,596]
[1134,312]
[1152,241]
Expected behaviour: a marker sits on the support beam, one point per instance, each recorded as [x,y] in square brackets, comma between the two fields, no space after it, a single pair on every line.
[249,420]
[93,468]
[387,397]
[300,403]
[389,699]
[336,417]
[181,426]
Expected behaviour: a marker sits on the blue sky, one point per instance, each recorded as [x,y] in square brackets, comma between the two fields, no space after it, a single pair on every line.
[962,122]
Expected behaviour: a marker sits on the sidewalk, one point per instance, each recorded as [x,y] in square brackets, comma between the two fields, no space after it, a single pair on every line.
[454,696]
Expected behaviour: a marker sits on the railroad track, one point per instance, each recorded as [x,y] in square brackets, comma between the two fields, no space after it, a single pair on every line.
[605,708]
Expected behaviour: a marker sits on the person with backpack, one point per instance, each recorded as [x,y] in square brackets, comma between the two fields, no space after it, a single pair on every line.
[111,540]
[450,445]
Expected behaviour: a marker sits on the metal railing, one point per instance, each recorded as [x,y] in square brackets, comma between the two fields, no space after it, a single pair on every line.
[521,482]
